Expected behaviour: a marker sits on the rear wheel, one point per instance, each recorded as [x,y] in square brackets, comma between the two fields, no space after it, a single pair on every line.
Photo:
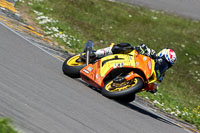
[125,91]
[72,66]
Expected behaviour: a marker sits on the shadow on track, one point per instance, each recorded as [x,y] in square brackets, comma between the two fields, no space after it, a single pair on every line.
[134,107]
[146,112]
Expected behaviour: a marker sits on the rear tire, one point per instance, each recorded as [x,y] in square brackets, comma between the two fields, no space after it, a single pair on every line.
[126,95]
[71,67]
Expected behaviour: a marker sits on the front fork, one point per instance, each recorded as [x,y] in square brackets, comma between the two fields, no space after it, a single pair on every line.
[87,57]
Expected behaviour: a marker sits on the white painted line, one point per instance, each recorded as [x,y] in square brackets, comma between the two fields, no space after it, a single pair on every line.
[35,44]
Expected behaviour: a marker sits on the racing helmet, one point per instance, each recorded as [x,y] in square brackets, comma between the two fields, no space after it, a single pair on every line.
[169,55]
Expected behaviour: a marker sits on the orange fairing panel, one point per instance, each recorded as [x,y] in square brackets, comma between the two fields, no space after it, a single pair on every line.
[144,63]
[91,74]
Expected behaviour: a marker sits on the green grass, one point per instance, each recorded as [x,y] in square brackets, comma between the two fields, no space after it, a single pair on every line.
[5,126]
[105,22]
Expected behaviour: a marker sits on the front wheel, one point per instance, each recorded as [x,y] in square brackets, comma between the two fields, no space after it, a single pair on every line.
[124,91]
[72,66]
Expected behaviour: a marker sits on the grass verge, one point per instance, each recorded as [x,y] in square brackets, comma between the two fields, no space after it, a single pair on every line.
[71,23]
[5,126]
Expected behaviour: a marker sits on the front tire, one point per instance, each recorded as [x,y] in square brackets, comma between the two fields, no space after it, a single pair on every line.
[72,66]
[125,92]
[126,99]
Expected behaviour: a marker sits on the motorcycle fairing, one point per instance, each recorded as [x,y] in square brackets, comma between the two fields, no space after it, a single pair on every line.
[91,74]
[115,61]
[95,73]
[144,63]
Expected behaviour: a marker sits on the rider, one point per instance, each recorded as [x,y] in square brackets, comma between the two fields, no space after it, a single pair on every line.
[164,59]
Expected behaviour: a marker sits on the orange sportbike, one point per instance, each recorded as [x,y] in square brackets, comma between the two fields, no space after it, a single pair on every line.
[118,76]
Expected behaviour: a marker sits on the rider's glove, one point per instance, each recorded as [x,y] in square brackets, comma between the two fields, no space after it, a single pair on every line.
[141,49]
[144,50]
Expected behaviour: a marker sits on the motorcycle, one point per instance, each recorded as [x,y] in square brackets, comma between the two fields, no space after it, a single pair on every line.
[118,76]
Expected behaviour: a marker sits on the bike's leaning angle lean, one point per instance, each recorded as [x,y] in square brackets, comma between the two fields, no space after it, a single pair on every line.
[118,76]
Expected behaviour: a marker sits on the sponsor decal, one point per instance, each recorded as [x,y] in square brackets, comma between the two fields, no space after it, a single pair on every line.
[114,65]
[118,65]
[97,76]
[145,58]
[130,57]
[90,69]
[85,71]
[149,65]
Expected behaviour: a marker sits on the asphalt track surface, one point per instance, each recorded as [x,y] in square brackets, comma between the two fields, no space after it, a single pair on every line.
[41,99]
[187,8]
